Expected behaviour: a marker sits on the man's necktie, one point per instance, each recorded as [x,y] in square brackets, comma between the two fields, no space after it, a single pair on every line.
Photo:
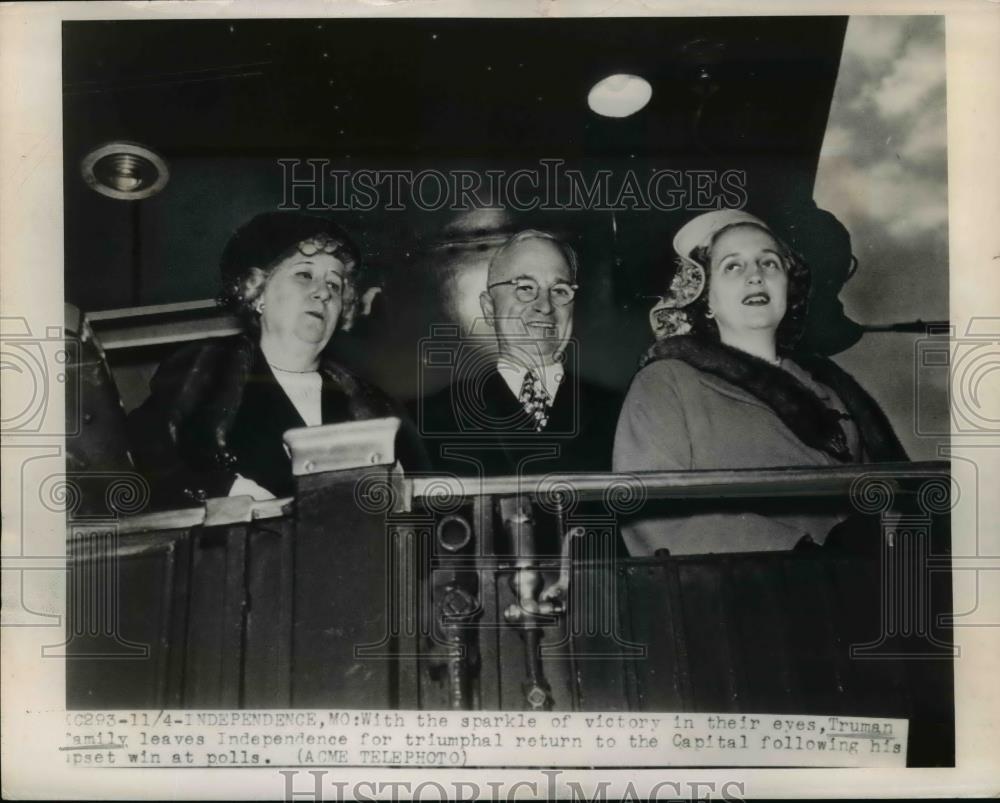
[535,400]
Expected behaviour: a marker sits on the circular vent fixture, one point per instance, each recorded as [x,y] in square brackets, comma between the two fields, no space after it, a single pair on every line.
[124,170]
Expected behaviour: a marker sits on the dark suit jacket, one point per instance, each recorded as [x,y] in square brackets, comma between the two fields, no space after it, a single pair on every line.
[466,426]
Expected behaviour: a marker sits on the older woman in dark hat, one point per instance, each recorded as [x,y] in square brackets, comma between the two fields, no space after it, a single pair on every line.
[214,422]
[720,389]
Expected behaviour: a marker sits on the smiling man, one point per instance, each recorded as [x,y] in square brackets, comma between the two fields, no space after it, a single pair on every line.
[525,410]
[528,301]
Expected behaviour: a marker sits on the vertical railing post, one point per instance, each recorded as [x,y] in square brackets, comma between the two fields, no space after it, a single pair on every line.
[343,486]
[526,614]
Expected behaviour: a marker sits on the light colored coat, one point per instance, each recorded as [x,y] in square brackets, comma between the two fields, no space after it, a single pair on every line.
[677,417]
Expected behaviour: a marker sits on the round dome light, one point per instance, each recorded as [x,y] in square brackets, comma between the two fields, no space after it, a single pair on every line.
[619,95]
[124,170]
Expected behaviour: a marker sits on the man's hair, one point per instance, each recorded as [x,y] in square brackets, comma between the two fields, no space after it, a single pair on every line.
[533,234]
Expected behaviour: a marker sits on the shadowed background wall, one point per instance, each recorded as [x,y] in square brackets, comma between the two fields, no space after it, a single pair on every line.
[222,102]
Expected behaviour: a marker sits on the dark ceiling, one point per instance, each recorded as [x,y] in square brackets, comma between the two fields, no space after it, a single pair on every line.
[221,100]
[431,87]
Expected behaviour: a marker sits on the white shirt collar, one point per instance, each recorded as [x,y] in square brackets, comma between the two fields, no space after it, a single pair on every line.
[551,374]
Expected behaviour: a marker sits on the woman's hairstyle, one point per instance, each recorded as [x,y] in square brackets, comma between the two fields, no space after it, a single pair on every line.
[258,246]
[792,325]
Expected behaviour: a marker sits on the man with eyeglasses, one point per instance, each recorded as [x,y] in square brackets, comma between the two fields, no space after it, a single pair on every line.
[527,410]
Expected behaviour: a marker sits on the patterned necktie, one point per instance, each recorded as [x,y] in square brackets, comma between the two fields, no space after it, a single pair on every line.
[535,400]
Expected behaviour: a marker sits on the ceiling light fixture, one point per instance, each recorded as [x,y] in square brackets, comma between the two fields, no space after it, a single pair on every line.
[619,95]
[126,171]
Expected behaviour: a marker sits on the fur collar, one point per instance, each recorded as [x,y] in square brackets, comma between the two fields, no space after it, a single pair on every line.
[815,424]
[203,388]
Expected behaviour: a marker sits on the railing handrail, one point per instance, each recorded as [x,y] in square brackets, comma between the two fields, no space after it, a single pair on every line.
[212,512]
[728,483]
[723,484]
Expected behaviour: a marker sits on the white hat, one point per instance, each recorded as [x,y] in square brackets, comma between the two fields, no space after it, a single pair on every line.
[700,230]
[668,317]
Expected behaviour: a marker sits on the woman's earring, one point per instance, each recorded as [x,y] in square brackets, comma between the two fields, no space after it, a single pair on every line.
[260,307]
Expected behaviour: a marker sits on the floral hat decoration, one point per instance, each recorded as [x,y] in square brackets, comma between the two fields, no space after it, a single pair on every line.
[669,316]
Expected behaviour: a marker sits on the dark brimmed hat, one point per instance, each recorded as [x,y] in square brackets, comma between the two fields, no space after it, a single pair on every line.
[266,238]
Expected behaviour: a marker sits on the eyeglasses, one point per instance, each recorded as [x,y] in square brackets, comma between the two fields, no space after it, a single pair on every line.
[526,290]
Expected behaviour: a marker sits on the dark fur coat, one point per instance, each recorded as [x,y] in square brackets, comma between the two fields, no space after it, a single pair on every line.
[215,410]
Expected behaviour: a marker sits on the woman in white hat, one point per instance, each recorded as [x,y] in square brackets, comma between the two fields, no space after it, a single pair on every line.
[719,389]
